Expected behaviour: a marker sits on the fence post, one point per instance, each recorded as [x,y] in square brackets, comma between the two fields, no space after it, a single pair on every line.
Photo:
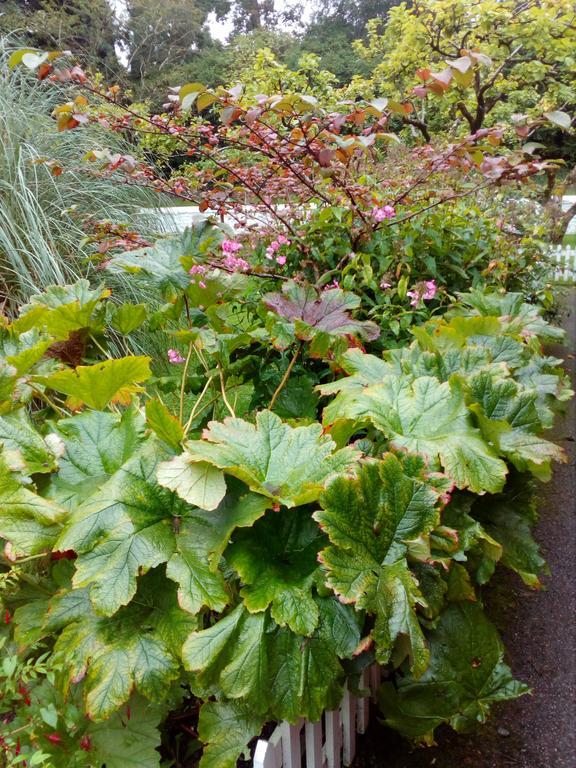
[333,738]
[313,739]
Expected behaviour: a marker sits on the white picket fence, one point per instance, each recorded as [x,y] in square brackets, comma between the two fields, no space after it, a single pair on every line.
[329,743]
[563,258]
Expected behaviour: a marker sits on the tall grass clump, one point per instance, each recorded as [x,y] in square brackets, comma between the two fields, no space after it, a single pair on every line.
[42,215]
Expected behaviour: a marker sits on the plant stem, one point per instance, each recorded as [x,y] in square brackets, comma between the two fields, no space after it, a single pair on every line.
[43,396]
[286,376]
[196,404]
[183,382]
[223,389]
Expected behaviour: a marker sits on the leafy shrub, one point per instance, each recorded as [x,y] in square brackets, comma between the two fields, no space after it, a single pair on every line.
[191,528]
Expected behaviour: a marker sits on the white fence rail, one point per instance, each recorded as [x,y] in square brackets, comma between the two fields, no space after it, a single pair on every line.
[563,258]
[329,743]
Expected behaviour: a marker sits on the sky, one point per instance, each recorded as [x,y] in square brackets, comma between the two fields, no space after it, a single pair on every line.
[220,30]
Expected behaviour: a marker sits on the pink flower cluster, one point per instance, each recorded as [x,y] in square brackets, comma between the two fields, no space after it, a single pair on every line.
[175,357]
[275,245]
[198,269]
[230,260]
[422,292]
[381,213]
[235,263]
[231,246]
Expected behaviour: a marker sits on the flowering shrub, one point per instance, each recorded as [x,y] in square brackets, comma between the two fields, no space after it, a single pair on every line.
[195,533]
[320,470]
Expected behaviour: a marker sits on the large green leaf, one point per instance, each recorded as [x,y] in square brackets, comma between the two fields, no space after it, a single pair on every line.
[369,520]
[96,444]
[363,370]
[509,420]
[276,560]
[197,482]
[466,675]
[17,433]
[61,309]
[289,465]
[277,672]
[116,655]
[508,519]
[201,540]
[25,350]
[122,530]
[128,739]
[199,583]
[226,727]
[161,265]
[516,315]
[96,385]
[428,417]
[29,522]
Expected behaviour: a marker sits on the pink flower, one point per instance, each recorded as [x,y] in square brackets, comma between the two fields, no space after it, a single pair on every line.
[384,285]
[175,357]
[430,291]
[274,246]
[198,269]
[422,292]
[231,246]
[333,284]
[383,212]
[202,284]
[235,263]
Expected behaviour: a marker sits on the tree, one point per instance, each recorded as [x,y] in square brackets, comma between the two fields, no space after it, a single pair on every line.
[159,36]
[530,44]
[525,71]
[335,25]
[250,15]
[88,27]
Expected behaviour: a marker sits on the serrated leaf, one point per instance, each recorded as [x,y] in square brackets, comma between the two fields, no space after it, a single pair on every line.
[286,464]
[122,530]
[369,519]
[466,675]
[271,668]
[314,312]
[128,317]
[96,444]
[163,423]
[509,519]
[161,265]
[200,542]
[226,727]
[198,584]
[508,418]
[61,309]
[28,521]
[18,434]
[96,385]
[114,656]
[197,482]
[428,417]
[276,560]
[128,739]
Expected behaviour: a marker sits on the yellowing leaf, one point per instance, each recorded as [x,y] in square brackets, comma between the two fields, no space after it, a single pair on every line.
[96,385]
